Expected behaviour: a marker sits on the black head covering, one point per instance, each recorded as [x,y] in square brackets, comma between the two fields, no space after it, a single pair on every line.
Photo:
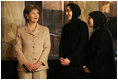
[99,19]
[76,11]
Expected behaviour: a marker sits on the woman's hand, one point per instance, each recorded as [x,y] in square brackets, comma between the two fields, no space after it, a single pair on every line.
[67,61]
[37,65]
[61,59]
[86,70]
[29,66]
[64,62]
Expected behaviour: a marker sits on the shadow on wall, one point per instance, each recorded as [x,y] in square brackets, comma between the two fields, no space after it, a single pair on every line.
[8,51]
[8,40]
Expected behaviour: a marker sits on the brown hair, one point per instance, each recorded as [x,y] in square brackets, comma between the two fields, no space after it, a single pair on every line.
[28,8]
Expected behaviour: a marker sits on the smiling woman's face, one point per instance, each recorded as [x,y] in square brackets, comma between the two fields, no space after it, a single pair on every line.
[33,16]
[68,13]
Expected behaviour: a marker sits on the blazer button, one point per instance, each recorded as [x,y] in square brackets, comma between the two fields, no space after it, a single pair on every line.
[34,59]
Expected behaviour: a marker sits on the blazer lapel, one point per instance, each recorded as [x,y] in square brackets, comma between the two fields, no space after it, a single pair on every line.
[31,32]
[37,29]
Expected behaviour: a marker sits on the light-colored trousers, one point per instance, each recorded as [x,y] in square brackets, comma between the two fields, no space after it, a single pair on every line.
[42,74]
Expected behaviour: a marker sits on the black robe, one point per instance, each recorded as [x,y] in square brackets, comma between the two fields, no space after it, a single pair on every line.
[73,44]
[101,55]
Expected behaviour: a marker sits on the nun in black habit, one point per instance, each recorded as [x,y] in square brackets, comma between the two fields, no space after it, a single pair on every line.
[101,61]
[73,44]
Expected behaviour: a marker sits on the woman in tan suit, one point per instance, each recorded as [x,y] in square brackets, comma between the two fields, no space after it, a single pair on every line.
[32,46]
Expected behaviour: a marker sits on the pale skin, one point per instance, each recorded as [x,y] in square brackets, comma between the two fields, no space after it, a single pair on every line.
[33,18]
[68,13]
[90,22]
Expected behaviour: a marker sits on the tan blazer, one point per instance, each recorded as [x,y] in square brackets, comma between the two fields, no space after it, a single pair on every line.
[32,46]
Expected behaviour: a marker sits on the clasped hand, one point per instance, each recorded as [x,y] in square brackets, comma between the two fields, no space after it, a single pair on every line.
[86,70]
[33,67]
[64,62]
